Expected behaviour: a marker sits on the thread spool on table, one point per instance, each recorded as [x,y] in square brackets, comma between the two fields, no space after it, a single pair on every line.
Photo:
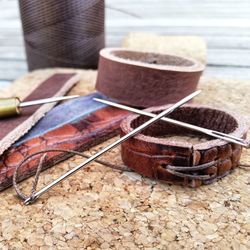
[62,33]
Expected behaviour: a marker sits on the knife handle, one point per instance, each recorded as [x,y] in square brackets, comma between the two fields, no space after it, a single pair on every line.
[9,107]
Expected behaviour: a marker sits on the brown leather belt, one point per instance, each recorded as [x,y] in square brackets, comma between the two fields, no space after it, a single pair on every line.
[146,79]
[179,162]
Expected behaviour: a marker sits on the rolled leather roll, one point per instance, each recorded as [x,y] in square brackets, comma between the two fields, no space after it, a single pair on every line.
[63,33]
[144,79]
[158,154]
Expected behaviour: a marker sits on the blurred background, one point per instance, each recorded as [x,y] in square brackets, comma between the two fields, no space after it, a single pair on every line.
[224,24]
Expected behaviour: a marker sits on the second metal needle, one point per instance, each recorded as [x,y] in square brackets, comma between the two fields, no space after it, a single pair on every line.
[206,131]
[111,146]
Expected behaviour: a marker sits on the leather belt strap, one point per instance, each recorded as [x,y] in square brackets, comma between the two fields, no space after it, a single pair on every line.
[146,79]
[181,162]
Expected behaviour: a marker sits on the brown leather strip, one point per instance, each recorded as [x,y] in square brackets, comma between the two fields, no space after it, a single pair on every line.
[146,79]
[79,135]
[11,129]
[152,154]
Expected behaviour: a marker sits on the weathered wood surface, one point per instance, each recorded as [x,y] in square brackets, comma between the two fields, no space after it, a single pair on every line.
[225,25]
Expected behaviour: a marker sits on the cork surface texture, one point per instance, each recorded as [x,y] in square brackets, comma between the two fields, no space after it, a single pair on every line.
[102,208]
[187,46]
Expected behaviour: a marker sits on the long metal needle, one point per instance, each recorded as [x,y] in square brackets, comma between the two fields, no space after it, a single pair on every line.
[116,143]
[210,132]
[47,100]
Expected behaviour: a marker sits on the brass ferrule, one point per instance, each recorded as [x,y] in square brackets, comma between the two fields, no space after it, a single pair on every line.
[9,107]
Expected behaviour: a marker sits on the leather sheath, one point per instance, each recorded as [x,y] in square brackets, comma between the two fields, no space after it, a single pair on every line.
[12,128]
[144,79]
[153,155]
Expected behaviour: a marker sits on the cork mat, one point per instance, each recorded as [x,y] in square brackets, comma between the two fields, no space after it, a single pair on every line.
[101,208]
[188,46]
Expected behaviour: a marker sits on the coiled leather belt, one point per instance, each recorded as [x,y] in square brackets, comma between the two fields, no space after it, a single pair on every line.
[181,162]
[146,79]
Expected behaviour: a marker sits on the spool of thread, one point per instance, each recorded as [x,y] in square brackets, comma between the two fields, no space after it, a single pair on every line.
[63,33]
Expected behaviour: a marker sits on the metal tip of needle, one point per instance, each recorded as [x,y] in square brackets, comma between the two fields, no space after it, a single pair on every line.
[28,201]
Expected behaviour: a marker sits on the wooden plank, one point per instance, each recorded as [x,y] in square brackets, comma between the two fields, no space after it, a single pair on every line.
[224,24]
[242,73]
[4,83]
[13,67]
[233,57]
[178,27]
[9,40]
[211,71]
[177,8]
[228,42]
[12,62]
[12,52]
[162,24]
[213,42]
[10,70]
[171,8]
